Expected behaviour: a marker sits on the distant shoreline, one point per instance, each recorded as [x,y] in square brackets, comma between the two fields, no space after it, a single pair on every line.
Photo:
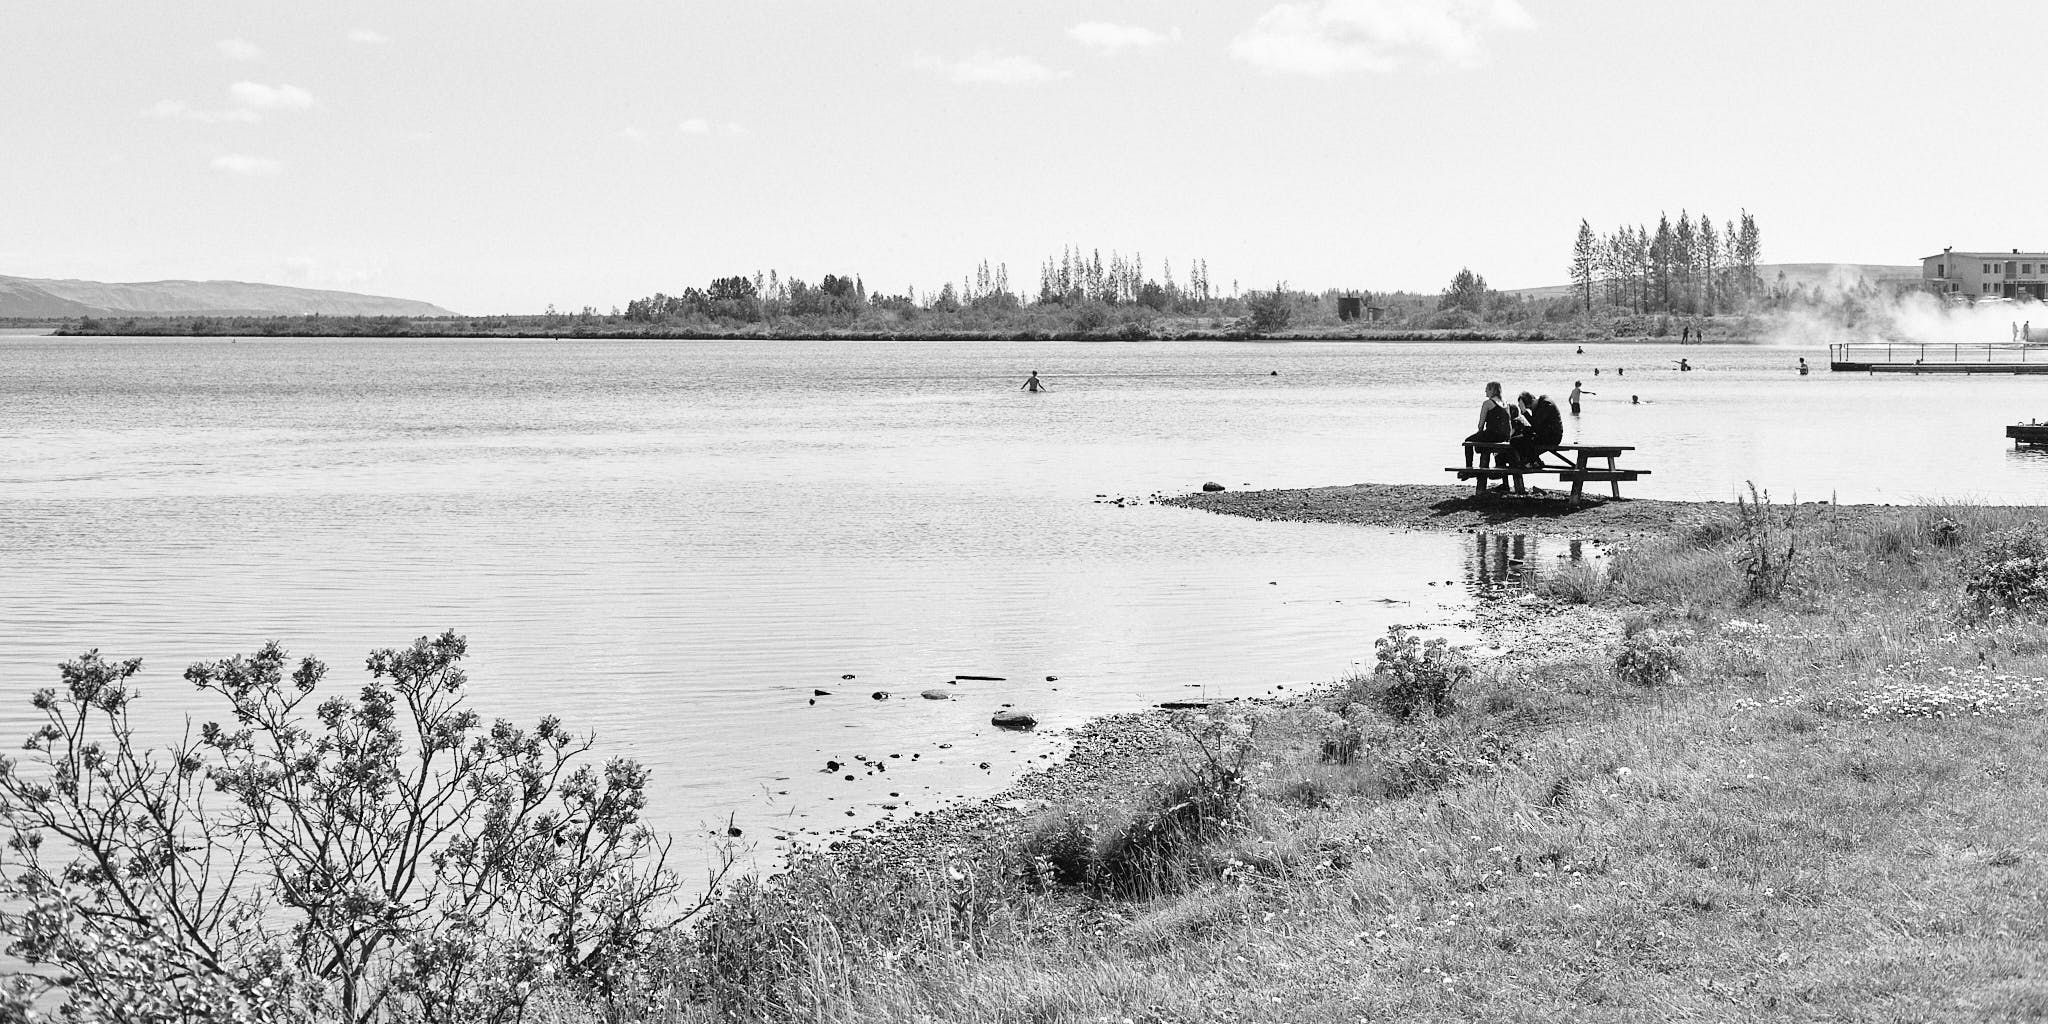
[337,328]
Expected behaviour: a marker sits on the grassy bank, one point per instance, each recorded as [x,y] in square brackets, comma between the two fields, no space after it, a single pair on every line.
[1790,765]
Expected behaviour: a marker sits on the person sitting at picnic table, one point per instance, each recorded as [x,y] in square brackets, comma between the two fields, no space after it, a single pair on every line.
[1496,422]
[1524,446]
[1538,428]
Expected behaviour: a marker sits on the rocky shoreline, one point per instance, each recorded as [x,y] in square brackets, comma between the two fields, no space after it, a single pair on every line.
[1116,756]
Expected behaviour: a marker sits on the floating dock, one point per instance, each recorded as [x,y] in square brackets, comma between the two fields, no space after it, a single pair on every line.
[2027,433]
[1995,358]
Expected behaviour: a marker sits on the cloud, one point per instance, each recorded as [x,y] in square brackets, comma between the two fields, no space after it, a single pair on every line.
[1108,39]
[257,96]
[706,126]
[239,49]
[179,110]
[1335,36]
[368,37]
[248,166]
[986,67]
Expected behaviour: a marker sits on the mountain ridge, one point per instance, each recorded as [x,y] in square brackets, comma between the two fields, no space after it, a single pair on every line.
[74,297]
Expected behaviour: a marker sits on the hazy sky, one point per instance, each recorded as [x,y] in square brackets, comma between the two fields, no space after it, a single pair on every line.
[502,156]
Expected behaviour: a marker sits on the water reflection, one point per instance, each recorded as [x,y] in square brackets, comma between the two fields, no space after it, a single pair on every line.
[1498,564]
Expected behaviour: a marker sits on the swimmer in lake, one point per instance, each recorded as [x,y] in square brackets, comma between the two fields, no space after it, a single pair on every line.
[1032,383]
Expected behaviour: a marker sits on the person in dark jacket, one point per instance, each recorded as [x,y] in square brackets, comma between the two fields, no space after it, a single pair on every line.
[1524,442]
[1549,423]
[1539,427]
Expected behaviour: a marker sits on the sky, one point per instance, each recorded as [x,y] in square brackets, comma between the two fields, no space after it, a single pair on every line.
[504,156]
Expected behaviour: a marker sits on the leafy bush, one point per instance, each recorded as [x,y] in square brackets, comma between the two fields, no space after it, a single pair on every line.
[1092,316]
[1648,659]
[1411,678]
[383,857]
[1270,312]
[2010,572]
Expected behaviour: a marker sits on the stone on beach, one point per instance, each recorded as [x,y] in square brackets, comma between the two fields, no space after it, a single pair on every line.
[1012,720]
[1212,486]
[936,695]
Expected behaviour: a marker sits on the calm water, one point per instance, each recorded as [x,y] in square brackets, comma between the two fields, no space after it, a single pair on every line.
[675,543]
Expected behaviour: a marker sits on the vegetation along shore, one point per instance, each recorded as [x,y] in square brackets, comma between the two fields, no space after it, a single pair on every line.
[1759,762]
[1751,762]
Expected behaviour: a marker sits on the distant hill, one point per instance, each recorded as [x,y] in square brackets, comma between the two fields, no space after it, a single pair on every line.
[1796,274]
[34,297]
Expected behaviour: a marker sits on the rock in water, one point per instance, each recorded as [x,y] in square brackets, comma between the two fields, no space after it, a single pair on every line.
[1012,720]
[936,695]
[1212,486]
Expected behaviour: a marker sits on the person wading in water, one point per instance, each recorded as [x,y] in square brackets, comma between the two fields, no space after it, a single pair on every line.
[1033,384]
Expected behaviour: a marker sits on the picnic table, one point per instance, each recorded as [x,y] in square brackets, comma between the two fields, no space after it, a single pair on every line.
[1571,463]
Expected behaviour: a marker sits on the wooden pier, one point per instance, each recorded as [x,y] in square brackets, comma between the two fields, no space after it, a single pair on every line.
[1878,357]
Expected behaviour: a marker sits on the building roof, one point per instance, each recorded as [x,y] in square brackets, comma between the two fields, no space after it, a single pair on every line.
[2003,254]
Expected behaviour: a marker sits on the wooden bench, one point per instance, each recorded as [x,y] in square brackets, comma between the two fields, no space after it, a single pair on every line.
[1573,464]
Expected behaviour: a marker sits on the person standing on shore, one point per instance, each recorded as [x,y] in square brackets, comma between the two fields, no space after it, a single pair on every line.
[1577,390]
[1033,385]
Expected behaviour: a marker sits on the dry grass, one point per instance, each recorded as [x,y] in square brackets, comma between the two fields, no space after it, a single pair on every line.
[1836,810]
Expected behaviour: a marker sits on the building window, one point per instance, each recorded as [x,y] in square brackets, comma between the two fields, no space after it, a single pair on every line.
[1987,268]
[1941,270]
[2027,268]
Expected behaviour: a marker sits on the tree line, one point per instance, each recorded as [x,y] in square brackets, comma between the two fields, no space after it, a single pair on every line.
[1686,267]
[1076,278]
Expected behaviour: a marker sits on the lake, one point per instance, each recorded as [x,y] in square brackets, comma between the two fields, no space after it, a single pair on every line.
[675,543]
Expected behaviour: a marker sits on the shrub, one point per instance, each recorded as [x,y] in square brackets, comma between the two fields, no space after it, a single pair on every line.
[1436,755]
[387,856]
[1766,570]
[1648,659]
[1337,735]
[1090,317]
[1144,852]
[1270,312]
[1411,678]
[2010,573]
